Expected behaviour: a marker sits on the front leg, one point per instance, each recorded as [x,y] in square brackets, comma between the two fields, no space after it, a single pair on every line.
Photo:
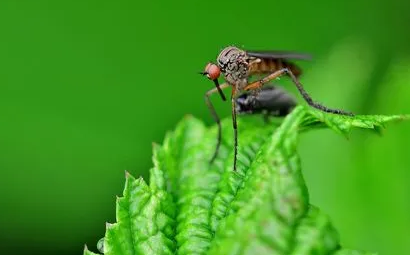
[235,126]
[215,117]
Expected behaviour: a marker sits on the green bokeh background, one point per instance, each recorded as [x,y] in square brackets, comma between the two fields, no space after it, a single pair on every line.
[86,86]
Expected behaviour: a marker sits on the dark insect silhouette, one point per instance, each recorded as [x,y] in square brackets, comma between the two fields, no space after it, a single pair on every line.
[269,101]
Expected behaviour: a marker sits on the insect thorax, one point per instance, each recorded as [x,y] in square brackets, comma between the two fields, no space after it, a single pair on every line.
[233,63]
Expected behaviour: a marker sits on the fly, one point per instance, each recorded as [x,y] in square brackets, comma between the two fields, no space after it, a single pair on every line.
[238,66]
[270,101]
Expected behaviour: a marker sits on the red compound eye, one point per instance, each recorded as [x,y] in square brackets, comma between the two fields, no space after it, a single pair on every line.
[212,71]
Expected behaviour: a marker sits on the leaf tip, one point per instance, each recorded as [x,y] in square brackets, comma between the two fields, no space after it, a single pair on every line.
[404,117]
[127,174]
[108,225]
[129,178]
[155,150]
[188,116]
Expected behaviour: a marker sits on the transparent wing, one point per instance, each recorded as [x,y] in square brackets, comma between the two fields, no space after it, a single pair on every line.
[268,54]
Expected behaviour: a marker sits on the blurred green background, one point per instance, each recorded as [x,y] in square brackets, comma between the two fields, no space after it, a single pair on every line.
[86,86]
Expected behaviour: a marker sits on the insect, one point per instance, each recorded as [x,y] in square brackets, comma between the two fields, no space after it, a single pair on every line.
[270,101]
[238,67]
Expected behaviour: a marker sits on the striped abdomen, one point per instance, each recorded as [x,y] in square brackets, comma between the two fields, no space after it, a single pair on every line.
[267,66]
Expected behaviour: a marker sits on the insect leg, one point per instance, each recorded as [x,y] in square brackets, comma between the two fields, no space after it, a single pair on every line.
[215,117]
[235,127]
[299,86]
[266,117]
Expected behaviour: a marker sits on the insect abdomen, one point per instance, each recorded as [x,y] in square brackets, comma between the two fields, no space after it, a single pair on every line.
[267,66]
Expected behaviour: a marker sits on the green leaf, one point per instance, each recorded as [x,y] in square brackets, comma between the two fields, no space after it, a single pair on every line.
[315,234]
[266,211]
[343,124]
[192,207]
[145,216]
[87,252]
